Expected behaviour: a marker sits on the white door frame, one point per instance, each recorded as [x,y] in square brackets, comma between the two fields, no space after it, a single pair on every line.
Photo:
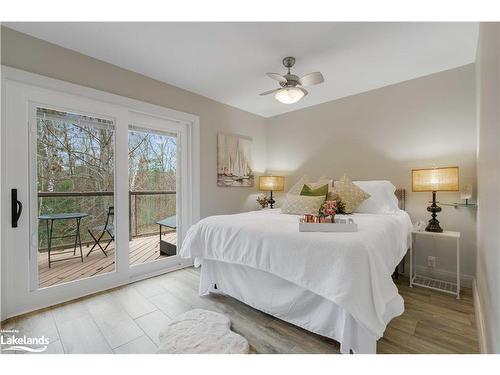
[147,122]
[16,299]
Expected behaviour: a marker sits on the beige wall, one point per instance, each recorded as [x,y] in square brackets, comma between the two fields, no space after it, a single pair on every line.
[383,134]
[34,55]
[488,163]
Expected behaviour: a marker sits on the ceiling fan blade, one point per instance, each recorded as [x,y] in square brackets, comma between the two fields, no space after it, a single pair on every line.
[269,92]
[311,79]
[277,77]
[303,90]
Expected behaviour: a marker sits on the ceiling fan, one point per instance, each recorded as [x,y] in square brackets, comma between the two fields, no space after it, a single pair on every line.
[291,89]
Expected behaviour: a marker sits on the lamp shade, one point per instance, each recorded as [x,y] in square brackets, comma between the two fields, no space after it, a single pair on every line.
[435,179]
[272,183]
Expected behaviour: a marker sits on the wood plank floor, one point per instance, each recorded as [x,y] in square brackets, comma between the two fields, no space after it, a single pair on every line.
[142,250]
[129,320]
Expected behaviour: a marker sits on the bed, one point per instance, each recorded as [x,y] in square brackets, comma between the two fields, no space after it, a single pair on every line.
[337,285]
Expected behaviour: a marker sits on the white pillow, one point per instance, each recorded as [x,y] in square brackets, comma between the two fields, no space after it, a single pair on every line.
[382,199]
[302,204]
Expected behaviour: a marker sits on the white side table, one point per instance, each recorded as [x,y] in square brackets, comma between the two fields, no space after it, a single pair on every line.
[427,282]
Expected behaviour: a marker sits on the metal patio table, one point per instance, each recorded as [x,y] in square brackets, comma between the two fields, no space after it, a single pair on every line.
[50,218]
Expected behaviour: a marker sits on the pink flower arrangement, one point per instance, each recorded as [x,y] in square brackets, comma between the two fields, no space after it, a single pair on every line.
[329,208]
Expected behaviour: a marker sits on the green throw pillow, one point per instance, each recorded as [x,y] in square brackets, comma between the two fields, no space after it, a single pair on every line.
[319,191]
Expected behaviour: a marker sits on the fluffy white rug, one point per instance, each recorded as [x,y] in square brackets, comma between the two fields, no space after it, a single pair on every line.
[201,332]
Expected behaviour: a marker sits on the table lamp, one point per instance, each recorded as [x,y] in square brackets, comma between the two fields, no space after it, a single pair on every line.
[434,179]
[271,183]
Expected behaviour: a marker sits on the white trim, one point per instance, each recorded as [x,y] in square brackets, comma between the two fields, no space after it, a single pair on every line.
[3,195]
[122,106]
[33,79]
[480,325]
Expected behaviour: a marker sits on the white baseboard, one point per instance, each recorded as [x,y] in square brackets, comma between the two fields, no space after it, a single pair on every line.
[465,280]
[481,329]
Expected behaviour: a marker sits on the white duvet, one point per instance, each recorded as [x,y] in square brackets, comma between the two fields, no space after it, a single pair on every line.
[352,269]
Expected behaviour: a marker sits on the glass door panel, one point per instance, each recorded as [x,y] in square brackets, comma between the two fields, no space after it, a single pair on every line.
[65,177]
[75,162]
[153,161]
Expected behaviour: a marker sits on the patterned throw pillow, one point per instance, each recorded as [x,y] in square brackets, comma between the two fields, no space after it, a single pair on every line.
[351,195]
[295,189]
[301,204]
[315,192]
[321,181]
[304,180]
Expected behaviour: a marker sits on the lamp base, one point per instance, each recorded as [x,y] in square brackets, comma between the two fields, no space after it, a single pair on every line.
[433,225]
[271,201]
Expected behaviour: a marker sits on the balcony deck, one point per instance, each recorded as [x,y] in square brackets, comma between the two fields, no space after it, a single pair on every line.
[142,250]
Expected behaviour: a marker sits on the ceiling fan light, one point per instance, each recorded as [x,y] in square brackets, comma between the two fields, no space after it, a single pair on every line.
[289,95]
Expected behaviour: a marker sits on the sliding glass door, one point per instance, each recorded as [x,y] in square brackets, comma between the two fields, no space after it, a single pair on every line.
[74,223]
[154,176]
[99,194]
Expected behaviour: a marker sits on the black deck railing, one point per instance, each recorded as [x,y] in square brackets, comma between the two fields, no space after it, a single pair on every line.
[134,205]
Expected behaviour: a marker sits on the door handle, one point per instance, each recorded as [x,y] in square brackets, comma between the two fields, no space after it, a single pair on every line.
[16,208]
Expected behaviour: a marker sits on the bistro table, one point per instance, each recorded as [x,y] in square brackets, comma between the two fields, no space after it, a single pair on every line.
[167,248]
[50,218]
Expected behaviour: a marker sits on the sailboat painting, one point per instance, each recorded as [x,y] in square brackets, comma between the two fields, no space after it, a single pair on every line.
[234,163]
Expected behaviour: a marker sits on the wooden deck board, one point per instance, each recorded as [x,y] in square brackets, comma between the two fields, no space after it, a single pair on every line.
[141,250]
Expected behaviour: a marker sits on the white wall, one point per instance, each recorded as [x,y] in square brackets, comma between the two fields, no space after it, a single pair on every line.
[24,52]
[488,172]
[383,134]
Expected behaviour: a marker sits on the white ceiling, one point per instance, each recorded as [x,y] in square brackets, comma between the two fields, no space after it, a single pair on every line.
[228,61]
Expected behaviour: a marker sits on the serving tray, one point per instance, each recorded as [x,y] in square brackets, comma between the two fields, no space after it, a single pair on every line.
[340,225]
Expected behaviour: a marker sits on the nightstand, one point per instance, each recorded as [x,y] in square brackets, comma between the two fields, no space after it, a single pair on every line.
[427,282]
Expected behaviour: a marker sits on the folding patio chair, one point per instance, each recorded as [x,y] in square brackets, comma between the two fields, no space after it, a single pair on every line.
[101,230]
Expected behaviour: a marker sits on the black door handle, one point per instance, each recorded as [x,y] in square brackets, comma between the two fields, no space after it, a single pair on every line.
[16,208]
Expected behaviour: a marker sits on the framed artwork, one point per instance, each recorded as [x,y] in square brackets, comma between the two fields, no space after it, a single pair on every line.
[234,160]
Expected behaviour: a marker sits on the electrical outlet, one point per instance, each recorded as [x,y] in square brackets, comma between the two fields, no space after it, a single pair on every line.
[431,261]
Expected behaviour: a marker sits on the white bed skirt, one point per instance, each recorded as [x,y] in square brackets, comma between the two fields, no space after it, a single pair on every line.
[289,302]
